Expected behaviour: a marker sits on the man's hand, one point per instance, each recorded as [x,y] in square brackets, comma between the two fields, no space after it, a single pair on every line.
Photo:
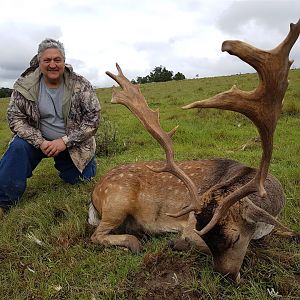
[53,148]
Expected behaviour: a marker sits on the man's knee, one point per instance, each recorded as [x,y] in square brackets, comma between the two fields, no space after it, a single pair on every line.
[19,145]
[90,169]
[73,176]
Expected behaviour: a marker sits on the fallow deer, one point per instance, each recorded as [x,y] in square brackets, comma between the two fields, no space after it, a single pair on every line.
[219,204]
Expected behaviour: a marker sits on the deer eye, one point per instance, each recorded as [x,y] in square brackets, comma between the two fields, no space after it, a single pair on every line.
[237,238]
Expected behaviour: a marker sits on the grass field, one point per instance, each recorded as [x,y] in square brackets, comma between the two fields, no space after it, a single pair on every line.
[45,248]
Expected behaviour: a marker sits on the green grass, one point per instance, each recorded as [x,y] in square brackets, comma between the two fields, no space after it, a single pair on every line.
[45,250]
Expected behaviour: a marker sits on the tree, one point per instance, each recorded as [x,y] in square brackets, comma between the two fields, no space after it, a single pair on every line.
[142,79]
[178,76]
[5,92]
[159,74]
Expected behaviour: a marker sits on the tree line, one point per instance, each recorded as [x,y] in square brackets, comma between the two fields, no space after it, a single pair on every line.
[159,74]
[5,92]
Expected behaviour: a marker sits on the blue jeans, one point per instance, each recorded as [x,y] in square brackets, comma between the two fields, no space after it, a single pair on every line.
[21,158]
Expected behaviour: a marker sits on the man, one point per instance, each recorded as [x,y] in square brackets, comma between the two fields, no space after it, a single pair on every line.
[53,112]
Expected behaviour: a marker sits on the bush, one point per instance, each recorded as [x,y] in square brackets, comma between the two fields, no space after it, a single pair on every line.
[291,108]
[159,74]
[107,139]
[178,76]
[5,92]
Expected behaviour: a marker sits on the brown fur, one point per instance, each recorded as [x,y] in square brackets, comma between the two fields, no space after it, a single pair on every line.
[136,199]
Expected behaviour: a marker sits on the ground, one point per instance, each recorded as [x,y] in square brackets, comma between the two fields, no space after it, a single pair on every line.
[163,276]
[173,275]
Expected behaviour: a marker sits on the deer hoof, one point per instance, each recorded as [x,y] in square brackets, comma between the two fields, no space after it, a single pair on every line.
[134,244]
[179,245]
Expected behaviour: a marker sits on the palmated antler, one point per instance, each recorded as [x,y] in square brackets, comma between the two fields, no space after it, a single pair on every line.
[133,99]
[262,106]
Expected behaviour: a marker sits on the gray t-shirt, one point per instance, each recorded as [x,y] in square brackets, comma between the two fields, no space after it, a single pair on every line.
[50,102]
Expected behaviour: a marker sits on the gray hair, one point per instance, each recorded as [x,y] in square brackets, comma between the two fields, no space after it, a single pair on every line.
[50,43]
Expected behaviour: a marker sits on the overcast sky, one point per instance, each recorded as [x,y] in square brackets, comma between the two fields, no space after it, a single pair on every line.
[182,35]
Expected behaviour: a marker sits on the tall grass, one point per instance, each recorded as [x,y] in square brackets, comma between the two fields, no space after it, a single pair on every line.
[45,250]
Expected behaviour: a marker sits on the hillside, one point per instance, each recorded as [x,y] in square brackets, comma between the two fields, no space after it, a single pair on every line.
[66,265]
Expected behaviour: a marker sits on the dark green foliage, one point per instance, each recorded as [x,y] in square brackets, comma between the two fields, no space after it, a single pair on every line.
[178,76]
[5,92]
[159,74]
[107,139]
[141,80]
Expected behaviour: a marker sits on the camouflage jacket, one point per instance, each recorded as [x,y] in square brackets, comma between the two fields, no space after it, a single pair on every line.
[81,111]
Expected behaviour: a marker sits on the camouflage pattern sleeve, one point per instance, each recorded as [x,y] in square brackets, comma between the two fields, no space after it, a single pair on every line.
[86,113]
[22,116]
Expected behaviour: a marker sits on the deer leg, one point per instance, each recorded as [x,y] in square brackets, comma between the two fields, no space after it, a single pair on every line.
[189,238]
[102,234]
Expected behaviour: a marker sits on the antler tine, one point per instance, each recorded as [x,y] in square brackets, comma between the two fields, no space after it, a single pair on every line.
[133,99]
[262,106]
[120,78]
[290,40]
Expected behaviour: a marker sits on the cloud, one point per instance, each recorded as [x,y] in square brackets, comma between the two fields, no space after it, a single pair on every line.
[184,36]
[263,24]
[266,15]
[20,40]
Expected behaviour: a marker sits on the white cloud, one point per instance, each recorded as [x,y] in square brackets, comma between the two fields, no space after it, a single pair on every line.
[184,36]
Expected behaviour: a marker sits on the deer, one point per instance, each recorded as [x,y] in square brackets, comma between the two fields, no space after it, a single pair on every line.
[217,205]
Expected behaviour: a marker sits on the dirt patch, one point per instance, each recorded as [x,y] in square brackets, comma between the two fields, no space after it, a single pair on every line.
[163,275]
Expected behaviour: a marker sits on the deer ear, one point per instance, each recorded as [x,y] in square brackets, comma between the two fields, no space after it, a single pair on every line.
[254,214]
